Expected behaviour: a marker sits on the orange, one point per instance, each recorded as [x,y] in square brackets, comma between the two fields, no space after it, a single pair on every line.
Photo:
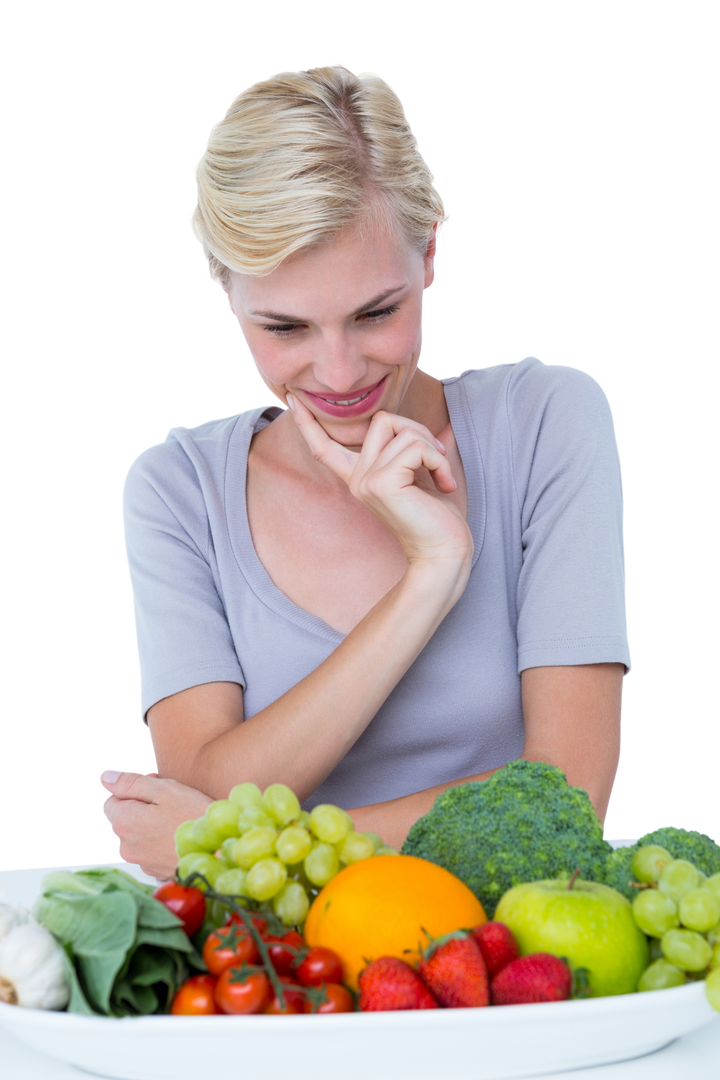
[381,907]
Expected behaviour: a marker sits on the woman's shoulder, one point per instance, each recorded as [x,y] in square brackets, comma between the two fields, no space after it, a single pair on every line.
[529,393]
[198,451]
[530,376]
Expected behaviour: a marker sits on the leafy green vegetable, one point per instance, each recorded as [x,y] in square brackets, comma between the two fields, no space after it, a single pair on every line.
[524,823]
[127,953]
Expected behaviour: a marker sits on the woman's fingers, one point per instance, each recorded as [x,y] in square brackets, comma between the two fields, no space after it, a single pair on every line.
[385,428]
[324,449]
[144,812]
[387,432]
[392,437]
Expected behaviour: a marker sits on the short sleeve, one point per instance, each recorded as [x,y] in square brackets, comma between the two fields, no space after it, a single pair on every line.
[571,587]
[183,634]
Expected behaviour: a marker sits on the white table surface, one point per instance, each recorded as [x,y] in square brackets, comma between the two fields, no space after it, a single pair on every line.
[696,1056]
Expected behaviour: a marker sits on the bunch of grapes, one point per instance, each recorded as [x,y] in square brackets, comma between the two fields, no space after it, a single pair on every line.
[679,909]
[261,846]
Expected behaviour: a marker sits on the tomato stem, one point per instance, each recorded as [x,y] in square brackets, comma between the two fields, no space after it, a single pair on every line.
[230,902]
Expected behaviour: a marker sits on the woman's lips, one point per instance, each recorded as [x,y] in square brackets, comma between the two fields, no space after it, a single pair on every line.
[355,403]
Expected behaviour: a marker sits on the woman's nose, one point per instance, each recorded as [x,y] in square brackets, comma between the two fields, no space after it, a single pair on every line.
[337,364]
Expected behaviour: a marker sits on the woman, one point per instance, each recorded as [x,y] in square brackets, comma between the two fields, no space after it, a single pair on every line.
[395,584]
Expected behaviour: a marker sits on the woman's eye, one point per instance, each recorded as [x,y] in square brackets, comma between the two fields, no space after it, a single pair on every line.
[372,316]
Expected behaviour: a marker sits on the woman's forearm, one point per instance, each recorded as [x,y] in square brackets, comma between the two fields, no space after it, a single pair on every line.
[301,737]
[393,820]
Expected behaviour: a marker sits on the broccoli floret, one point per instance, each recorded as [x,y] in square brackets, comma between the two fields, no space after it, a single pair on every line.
[525,823]
[618,871]
[697,848]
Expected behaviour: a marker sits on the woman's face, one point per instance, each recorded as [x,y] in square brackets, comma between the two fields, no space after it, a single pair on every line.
[340,327]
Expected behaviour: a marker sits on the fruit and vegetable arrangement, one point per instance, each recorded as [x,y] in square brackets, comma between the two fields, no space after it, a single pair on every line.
[504,893]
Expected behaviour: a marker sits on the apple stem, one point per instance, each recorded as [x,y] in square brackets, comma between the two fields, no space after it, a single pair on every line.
[573,879]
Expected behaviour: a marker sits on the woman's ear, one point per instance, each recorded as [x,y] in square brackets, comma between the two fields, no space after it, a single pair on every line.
[429,256]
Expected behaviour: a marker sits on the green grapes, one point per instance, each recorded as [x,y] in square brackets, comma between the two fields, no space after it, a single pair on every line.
[291,904]
[231,882]
[223,816]
[661,975]
[265,879]
[354,847]
[711,883]
[687,949]
[679,908]
[329,823]
[184,842]
[715,957]
[205,836]
[201,863]
[376,840]
[322,864]
[261,847]
[649,861]
[654,912]
[226,849]
[246,795]
[255,844]
[712,988]
[699,910]
[677,878]
[293,844]
[253,817]
[281,803]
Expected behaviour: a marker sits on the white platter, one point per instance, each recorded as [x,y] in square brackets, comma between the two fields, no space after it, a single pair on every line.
[450,1044]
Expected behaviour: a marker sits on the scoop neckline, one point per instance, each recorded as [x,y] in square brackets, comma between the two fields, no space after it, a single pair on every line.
[247,558]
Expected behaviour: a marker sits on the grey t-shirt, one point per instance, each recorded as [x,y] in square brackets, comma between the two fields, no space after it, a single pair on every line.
[546,588]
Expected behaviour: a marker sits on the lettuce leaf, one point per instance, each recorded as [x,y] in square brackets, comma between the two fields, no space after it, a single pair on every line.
[127,951]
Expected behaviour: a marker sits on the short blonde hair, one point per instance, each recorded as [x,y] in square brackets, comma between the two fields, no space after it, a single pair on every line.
[300,158]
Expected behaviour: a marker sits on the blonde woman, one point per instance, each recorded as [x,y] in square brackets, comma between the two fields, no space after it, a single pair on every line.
[385,584]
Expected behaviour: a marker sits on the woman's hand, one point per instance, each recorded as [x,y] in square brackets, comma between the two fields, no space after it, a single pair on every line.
[144,812]
[403,477]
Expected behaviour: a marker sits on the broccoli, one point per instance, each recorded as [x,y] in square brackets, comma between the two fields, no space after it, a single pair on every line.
[697,848]
[524,823]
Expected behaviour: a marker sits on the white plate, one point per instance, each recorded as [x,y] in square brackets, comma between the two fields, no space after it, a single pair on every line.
[465,1044]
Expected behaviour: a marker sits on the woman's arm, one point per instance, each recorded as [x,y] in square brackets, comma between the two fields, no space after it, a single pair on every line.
[200,741]
[572,720]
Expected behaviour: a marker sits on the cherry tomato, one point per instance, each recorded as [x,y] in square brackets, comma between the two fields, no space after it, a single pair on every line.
[258,922]
[196,997]
[284,950]
[339,999]
[227,946]
[240,993]
[185,902]
[295,1001]
[320,966]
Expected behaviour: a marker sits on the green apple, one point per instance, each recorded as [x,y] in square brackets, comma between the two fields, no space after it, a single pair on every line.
[590,924]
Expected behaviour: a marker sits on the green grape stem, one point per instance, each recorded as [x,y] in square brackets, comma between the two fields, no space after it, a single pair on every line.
[230,902]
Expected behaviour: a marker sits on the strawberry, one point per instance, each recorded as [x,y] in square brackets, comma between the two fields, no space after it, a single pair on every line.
[389,983]
[497,945]
[454,969]
[537,977]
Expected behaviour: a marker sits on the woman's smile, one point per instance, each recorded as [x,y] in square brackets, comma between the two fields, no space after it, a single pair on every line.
[355,404]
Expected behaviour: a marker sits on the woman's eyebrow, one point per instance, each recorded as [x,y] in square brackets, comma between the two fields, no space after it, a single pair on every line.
[280,317]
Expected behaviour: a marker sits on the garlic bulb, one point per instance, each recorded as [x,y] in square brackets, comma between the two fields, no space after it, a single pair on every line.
[32,968]
[12,916]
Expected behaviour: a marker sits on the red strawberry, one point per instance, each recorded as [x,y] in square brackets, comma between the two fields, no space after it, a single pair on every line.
[497,945]
[454,969]
[537,977]
[389,983]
